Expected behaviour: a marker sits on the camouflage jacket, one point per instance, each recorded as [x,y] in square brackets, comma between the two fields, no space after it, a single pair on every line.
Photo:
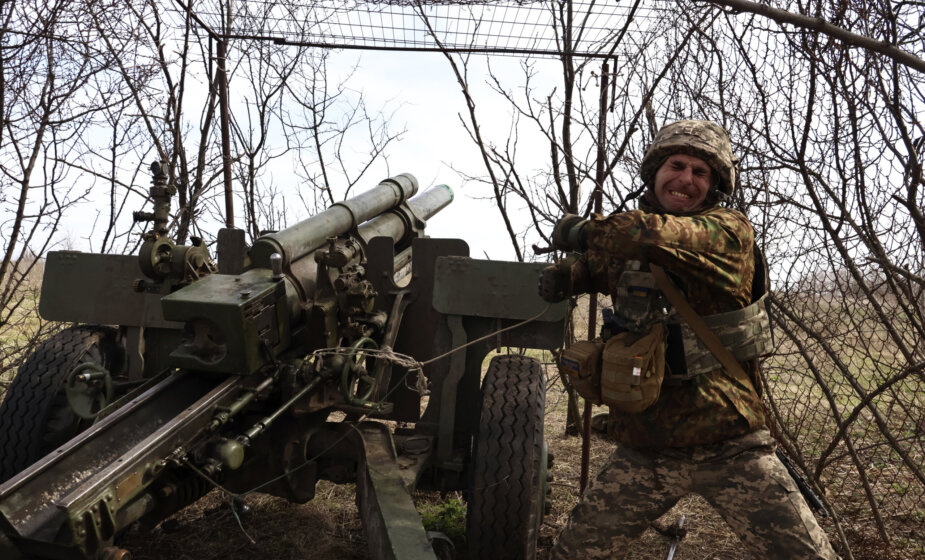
[710,256]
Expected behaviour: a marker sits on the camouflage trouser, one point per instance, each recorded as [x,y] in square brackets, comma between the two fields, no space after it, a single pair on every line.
[742,478]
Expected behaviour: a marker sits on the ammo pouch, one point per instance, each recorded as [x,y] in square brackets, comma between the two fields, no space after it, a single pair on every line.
[625,373]
[581,362]
[632,369]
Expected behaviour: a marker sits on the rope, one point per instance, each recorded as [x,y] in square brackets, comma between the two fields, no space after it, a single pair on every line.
[405,360]
[487,336]
[384,353]
[231,496]
[410,363]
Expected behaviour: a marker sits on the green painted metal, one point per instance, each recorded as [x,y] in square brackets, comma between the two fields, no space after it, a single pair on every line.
[392,523]
[232,322]
[105,287]
[498,289]
[89,389]
[265,413]
[69,500]
[409,218]
[295,242]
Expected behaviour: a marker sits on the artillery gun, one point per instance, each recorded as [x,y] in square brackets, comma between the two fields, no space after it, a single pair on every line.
[296,360]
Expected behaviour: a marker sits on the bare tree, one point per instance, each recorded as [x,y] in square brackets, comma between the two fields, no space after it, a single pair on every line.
[48,72]
[324,120]
[85,107]
[568,118]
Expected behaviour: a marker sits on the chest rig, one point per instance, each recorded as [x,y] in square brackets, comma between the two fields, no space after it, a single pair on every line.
[639,304]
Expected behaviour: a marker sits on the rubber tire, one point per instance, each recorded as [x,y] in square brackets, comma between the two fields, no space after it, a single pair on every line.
[35,417]
[508,482]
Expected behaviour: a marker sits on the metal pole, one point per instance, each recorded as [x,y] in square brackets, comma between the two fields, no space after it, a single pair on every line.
[226,129]
[597,197]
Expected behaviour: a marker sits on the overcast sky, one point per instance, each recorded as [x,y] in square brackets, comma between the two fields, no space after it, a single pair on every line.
[435,142]
[427,102]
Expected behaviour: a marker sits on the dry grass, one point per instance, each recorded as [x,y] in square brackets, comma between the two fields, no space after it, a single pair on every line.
[326,528]
[21,327]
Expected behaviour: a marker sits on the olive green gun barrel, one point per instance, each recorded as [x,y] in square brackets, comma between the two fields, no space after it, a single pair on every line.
[294,243]
[399,224]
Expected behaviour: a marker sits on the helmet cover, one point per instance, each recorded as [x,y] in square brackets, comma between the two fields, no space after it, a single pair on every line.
[703,139]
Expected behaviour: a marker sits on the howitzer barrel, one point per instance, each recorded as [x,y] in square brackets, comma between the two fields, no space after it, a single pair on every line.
[398,224]
[297,241]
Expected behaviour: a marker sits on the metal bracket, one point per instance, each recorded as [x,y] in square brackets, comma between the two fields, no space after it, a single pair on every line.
[448,395]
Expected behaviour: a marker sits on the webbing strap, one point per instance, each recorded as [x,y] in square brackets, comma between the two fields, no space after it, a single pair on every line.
[697,324]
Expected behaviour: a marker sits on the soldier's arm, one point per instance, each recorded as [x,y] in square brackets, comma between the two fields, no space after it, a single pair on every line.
[714,247]
[591,273]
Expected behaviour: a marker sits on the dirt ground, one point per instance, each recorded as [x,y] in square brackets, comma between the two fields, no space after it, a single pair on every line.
[329,527]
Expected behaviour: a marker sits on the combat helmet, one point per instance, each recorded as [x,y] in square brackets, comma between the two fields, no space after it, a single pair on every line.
[704,139]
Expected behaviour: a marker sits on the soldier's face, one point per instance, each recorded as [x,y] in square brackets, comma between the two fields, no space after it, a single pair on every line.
[682,182]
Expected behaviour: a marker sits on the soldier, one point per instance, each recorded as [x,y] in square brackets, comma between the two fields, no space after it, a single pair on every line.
[706,432]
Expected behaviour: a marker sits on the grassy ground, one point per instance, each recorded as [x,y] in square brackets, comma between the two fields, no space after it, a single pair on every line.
[21,328]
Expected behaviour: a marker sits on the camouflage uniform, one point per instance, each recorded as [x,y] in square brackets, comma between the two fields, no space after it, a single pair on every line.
[741,478]
[707,435]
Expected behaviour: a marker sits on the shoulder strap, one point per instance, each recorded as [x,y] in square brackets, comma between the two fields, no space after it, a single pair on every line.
[697,324]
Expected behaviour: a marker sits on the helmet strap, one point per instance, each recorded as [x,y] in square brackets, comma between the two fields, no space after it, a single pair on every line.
[632,195]
[716,197]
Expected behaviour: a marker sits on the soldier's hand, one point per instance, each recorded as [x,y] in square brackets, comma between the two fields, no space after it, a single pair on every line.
[567,233]
[555,282]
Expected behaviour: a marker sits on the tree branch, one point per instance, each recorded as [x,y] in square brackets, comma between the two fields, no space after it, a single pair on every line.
[822,26]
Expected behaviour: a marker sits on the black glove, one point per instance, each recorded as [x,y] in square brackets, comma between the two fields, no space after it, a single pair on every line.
[569,234]
[556,282]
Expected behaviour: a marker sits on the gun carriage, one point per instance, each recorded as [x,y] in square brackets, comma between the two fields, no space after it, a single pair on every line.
[292,361]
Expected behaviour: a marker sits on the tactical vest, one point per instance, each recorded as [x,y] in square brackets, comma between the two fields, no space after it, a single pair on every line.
[745,332]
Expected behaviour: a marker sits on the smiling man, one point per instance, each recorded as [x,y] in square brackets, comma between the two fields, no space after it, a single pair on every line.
[682,183]
[704,431]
